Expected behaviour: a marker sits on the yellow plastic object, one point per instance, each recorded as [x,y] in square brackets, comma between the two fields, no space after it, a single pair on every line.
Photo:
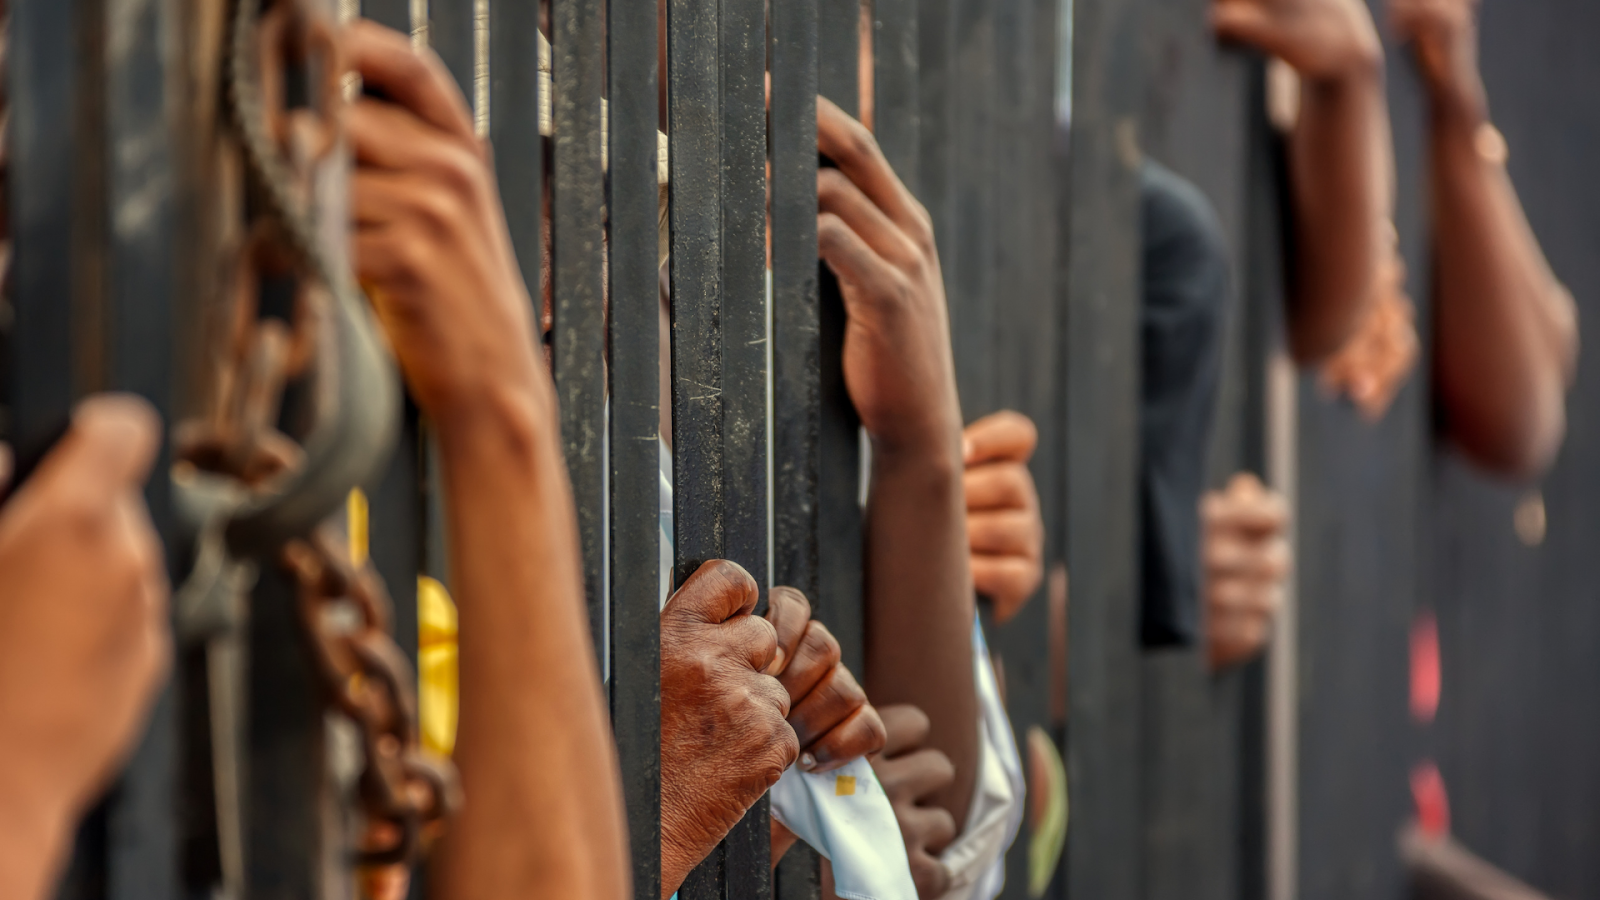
[844,786]
[355,523]
[1050,836]
[439,702]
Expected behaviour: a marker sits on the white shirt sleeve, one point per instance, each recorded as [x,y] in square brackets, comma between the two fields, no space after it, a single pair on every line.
[976,861]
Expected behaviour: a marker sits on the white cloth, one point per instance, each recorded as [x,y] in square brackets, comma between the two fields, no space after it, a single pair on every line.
[976,861]
[851,822]
[845,816]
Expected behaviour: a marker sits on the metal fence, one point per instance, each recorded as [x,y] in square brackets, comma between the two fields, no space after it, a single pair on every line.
[127,206]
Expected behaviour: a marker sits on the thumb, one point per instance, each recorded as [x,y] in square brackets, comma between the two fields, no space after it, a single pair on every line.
[717,591]
[109,447]
[1244,22]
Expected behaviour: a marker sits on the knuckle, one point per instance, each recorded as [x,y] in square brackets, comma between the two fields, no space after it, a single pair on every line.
[823,646]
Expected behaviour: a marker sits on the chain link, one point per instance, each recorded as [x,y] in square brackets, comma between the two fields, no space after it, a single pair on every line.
[343,610]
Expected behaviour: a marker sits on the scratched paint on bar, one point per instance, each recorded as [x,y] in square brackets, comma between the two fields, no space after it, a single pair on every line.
[577,277]
[796,349]
[634,342]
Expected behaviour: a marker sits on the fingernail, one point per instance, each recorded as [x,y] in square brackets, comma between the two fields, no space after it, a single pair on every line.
[807,761]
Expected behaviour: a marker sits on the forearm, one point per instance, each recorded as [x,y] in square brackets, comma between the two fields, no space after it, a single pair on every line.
[34,836]
[920,604]
[533,746]
[1340,169]
[1506,338]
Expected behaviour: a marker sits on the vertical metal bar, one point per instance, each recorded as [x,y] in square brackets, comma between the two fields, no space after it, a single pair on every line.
[693,95]
[839,589]
[141,819]
[1101,347]
[634,357]
[796,348]
[452,33]
[397,519]
[49,150]
[743,63]
[972,287]
[394,13]
[935,122]
[577,201]
[896,107]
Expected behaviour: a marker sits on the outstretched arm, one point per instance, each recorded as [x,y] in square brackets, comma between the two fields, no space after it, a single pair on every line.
[900,374]
[1507,330]
[543,811]
[1339,157]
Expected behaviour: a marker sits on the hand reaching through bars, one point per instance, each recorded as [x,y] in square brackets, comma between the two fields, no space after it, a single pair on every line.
[827,708]
[1321,39]
[84,641]
[1247,559]
[911,773]
[431,244]
[878,240]
[1004,526]
[724,735]
[900,374]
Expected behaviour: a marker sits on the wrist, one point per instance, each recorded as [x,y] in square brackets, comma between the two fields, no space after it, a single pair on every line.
[514,418]
[1362,71]
[1462,106]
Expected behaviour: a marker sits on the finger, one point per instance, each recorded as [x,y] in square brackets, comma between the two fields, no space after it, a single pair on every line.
[109,448]
[999,485]
[751,640]
[1008,581]
[1242,22]
[855,151]
[1229,555]
[788,610]
[386,136]
[854,262]
[915,776]
[835,698]
[1236,596]
[906,726]
[931,827]
[1007,435]
[717,591]
[814,659]
[415,80]
[1004,532]
[837,194]
[859,735]
[1245,485]
[930,875]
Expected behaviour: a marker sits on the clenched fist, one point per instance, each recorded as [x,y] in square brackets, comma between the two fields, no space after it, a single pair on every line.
[1246,557]
[84,641]
[1004,527]
[724,735]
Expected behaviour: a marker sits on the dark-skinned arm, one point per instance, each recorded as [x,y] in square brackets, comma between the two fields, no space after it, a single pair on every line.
[1339,157]
[900,374]
[543,813]
[1507,338]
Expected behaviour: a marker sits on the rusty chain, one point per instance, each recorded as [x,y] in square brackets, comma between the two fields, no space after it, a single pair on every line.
[344,611]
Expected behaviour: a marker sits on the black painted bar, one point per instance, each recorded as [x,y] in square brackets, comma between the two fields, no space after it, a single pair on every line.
[896,110]
[394,13]
[743,63]
[796,349]
[634,357]
[695,130]
[452,33]
[839,589]
[972,286]
[48,152]
[935,122]
[577,201]
[1104,841]
[141,817]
